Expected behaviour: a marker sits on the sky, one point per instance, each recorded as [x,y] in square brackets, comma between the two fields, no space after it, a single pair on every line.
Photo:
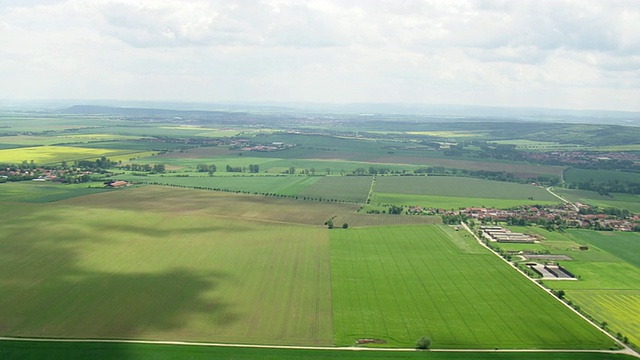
[581,54]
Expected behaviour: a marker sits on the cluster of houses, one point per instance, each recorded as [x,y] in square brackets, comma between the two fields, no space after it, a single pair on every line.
[580,157]
[275,146]
[570,215]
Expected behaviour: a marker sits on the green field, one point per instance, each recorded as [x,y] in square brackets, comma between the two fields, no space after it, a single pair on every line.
[56,154]
[349,188]
[630,202]
[609,277]
[600,176]
[159,270]
[14,350]
[423,281]
[41,192]
[626,246]
[454,192]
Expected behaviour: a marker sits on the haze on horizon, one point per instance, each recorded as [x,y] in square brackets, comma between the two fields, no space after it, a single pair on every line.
[530,53]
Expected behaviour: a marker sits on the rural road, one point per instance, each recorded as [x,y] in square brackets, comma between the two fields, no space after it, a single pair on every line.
[562,199]
[293,347]
[625,349]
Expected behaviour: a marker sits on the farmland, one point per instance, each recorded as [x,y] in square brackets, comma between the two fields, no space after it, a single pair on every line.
[455,192]
[424,281]
[103,272]
[53,154]
[244,256]
[608,287]
[630,202]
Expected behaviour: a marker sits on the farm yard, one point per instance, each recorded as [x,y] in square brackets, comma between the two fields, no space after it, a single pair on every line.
[609,281]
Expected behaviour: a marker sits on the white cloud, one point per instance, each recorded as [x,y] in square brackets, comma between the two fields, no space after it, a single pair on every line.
[526,52]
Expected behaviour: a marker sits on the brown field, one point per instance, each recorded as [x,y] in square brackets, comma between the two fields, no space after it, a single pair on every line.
[181,201]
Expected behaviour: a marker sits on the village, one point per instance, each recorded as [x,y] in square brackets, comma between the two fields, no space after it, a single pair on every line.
[558,217]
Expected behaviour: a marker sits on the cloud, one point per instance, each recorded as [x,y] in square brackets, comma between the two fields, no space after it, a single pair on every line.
[335,50]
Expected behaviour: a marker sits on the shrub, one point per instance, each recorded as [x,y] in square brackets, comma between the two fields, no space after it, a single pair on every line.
[423,343]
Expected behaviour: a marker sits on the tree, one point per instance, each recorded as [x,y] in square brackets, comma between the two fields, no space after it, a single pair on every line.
[423,343]
[345,226]
[329,223]
[158,168]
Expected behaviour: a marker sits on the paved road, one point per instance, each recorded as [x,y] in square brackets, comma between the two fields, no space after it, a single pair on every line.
[562,199]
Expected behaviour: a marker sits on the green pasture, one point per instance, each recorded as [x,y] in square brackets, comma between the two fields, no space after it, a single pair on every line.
[88,268]
[42,192]
[400,283]
[23,350]
[630,202]
[599,176]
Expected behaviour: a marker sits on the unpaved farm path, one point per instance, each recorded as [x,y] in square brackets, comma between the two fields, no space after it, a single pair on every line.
[293,347]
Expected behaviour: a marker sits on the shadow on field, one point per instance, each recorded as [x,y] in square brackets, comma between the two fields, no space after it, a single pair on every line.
[46,292]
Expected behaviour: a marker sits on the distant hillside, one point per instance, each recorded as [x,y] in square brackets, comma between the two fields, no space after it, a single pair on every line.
[126,111]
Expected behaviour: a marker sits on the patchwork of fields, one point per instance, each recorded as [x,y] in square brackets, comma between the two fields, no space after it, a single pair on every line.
[256,264]
[609,276]
[166,263]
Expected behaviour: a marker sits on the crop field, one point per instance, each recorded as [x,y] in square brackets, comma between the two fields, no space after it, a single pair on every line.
[519,170]
[350,188]
[523,144]
[600,176]
[347,188]
[630,202]
[460,187]
[42,192]
[423,281]
[54,154]
[286,185]
[609,278]
[624,245]
[619,308]
[166,273]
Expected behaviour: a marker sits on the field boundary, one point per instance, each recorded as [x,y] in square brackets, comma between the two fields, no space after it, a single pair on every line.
[298,347]
[625,348]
